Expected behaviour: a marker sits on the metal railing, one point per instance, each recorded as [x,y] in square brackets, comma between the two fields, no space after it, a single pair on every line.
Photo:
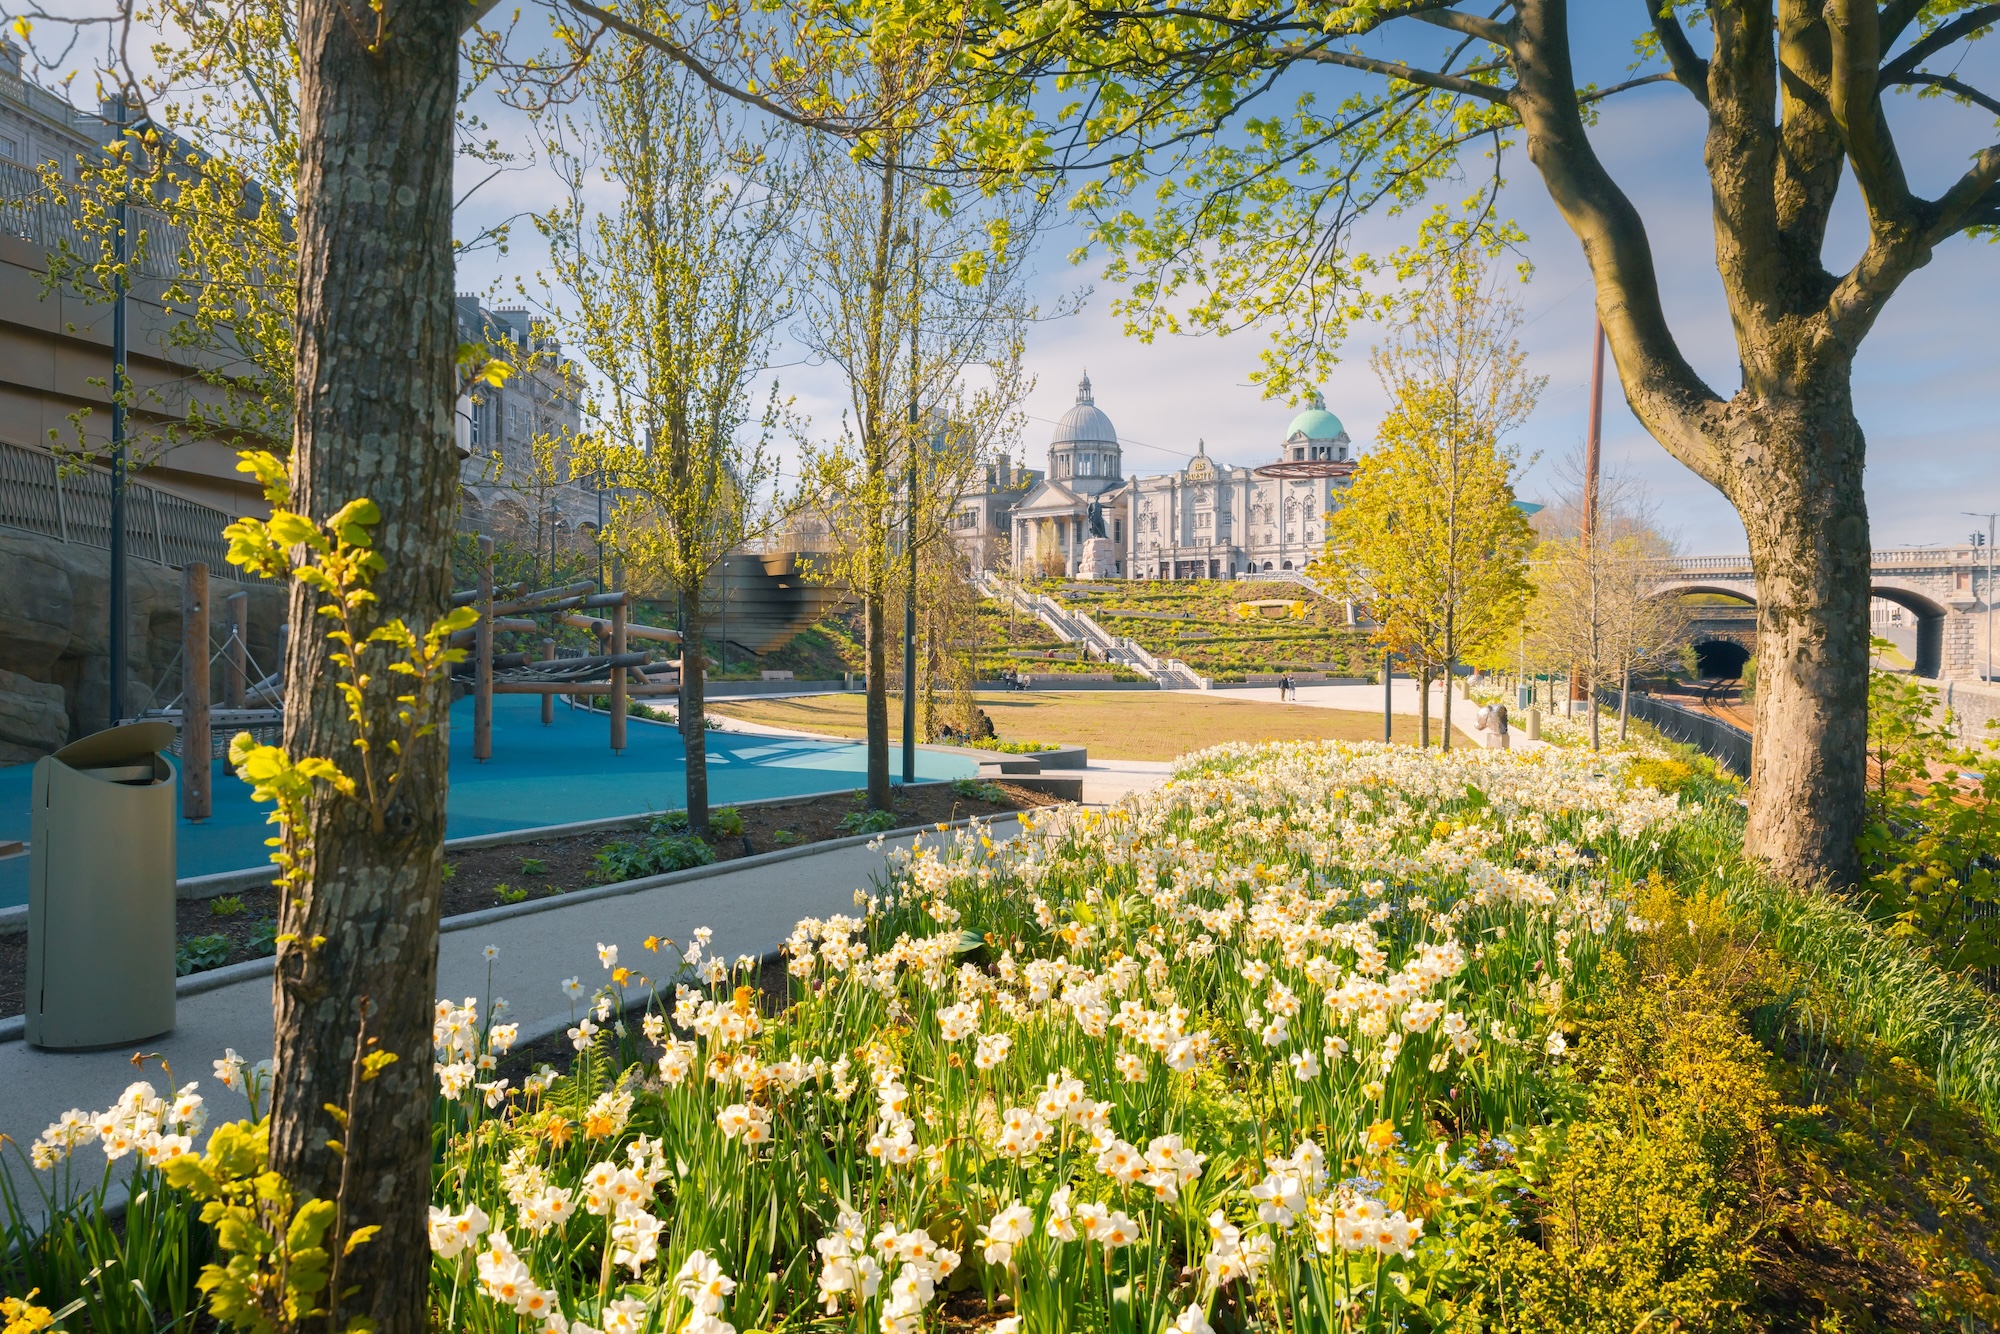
[27,211]
[72,503]
[1078,627]
[1725,743]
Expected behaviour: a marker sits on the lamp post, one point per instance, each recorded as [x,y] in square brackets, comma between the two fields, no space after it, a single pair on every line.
[119,382]
[910,595]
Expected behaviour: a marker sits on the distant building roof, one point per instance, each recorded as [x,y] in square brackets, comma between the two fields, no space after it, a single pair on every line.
[1315,423]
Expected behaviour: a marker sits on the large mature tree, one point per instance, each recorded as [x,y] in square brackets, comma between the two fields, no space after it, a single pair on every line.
[1252,188]
[671,296]
[375,382]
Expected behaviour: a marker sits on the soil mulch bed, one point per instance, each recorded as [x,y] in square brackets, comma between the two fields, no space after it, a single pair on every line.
[513,872]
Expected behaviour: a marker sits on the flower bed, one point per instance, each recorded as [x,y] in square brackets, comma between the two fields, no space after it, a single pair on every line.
[1260,1043]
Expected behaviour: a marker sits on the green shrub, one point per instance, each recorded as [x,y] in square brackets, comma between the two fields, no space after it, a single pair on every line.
[229,905]
[973,789]
[1012,747]
[534,866]
[264,940]
[509,894]
[198,954]
[784,838]
[653,854]
[867,822]
[1929,848]
[725,823]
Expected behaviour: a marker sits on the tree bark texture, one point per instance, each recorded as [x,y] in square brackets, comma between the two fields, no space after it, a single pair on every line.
[1798,487]
[694,715]
[374,384]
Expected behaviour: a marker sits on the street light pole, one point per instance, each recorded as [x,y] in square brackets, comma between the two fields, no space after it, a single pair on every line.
[910,595]
[119,381]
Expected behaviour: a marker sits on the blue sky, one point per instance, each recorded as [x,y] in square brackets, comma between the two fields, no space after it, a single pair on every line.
[1927,383]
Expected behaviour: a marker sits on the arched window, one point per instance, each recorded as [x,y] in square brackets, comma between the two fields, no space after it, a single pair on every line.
[1288,565]
[1267,567]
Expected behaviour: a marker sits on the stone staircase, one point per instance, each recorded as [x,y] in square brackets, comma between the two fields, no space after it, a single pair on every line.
[1078,628]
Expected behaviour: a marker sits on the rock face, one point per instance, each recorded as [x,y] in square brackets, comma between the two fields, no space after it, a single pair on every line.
[55,634]
[33,719]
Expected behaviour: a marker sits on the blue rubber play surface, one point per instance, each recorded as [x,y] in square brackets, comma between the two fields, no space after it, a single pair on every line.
[538,776]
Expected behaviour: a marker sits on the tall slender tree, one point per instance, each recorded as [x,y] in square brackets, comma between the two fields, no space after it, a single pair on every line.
[1428,535]
[914,293]
[672,297]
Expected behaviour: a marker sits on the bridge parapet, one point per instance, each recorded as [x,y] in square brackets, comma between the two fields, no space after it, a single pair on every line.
[1945,588]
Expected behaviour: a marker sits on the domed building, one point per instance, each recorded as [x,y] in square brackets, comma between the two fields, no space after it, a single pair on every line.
[1085,519]
[1083,453]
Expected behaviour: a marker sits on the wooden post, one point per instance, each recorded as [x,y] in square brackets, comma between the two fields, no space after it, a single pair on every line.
[236,654]
[197,795]
[482,688]
[548,701]
[618,695]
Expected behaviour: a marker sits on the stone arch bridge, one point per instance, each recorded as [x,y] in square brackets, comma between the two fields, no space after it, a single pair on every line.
[1943,588]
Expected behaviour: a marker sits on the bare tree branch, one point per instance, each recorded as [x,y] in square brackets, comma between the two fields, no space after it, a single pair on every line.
[1665,392]
[1955,87]
[704,72]
[1486,30]
[1944,35]
[1854,98]
[1690,70]
[1395,69]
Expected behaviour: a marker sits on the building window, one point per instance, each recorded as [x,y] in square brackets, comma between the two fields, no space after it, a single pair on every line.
[1117,530]
[1203,521]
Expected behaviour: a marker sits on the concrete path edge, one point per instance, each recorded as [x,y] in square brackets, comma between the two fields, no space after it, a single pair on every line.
[12,1029]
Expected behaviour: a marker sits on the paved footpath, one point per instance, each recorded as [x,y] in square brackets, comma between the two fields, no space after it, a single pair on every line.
[750,909]
[1403,700]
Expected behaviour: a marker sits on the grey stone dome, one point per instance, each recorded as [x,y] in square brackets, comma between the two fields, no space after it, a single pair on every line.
[1085,423]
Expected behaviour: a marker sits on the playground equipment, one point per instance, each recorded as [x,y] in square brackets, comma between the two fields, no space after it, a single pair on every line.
[253,699]
[616,672]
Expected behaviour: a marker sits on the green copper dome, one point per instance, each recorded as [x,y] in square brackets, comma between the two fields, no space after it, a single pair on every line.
[1316,423]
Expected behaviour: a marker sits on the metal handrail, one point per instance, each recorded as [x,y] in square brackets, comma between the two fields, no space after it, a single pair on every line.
[72,503]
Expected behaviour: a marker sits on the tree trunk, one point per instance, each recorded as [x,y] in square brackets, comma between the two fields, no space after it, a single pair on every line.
[376,335]
[1424,706]
[694,714]
[878,702]
[1624,700]
[1450,662]
[1806,516]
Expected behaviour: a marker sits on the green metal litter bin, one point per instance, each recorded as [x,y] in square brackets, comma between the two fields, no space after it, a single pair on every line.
[101,891]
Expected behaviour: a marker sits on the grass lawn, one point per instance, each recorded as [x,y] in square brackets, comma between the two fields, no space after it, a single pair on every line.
[1114,724]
